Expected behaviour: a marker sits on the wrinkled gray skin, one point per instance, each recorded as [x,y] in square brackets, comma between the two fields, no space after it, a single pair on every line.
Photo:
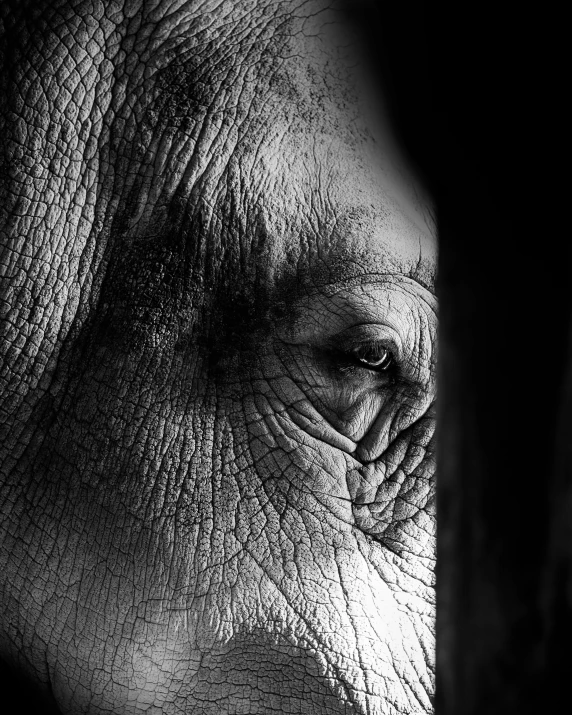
[212,500]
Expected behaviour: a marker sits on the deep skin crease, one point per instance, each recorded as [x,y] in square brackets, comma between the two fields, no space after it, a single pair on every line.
[218,366]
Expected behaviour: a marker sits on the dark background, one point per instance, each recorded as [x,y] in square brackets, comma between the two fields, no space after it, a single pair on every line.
[476,94]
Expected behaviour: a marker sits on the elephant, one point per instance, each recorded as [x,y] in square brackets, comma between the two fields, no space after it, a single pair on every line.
[218,371]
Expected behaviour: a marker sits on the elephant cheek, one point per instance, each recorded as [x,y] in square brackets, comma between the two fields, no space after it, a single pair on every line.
[344,619]
[329,635]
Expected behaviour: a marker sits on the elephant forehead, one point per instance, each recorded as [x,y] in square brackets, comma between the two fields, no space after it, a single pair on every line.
[335,204]
[283,87]
[324,161]
[260,119]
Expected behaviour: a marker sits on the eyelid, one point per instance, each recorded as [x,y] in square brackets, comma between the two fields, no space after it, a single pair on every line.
[351,338]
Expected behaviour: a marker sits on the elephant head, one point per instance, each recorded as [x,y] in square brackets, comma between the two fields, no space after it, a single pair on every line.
[218,365]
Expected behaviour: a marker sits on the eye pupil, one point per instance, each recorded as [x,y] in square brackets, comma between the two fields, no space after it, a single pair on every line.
[374,356]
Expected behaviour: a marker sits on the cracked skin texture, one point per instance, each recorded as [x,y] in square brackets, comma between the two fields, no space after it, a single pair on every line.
[209,503]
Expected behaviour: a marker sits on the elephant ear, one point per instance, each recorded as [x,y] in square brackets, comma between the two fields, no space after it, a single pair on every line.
[52,123]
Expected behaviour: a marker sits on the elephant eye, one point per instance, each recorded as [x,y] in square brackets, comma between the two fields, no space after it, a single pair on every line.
[373,356]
